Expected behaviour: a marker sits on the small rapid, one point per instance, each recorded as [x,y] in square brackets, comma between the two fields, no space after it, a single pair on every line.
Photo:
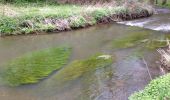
[158,22]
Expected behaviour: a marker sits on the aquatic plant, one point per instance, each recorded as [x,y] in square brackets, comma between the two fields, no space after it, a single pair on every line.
[130,40]
[158,89]
[155,44]
[33,67]
[80,67]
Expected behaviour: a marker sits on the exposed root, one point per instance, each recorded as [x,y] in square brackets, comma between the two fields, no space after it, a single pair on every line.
[165,57]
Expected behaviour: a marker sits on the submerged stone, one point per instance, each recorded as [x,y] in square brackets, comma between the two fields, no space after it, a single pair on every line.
[32,67]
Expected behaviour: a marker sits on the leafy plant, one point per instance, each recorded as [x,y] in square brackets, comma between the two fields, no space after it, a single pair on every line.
[158,89]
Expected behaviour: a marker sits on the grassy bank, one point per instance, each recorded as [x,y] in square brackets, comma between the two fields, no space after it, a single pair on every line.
[41,17]
[34,66]
[158,89]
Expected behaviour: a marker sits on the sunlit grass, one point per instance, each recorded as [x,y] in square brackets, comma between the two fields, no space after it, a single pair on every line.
[40,17]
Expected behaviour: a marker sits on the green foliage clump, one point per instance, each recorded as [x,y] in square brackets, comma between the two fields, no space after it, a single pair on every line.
[130,40]
[8,25]
[32,67]
[78,22]
[99,13]
[158,89]
[80,67]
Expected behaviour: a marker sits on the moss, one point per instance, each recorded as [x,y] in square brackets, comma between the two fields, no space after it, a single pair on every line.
[131,40]
[158,89]
[80,67]
[34,66]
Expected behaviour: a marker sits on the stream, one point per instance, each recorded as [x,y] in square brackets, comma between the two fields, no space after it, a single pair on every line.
[116,82]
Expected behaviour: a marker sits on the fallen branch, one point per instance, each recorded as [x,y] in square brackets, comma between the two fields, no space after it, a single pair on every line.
[147,68]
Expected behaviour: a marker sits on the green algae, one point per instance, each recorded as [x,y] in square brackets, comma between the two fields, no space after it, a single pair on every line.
[155,44]
[130,40]
[33,67]
[78,68]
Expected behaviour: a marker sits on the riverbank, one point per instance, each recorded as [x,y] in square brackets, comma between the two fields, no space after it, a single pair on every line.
[28,19]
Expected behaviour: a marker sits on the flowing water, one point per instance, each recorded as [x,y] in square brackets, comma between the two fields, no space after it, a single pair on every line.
[158,22]
[115,82]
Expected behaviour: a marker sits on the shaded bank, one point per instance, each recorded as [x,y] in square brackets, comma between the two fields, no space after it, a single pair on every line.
[56,18]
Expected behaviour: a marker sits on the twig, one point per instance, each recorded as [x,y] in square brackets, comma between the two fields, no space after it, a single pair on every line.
[147,69]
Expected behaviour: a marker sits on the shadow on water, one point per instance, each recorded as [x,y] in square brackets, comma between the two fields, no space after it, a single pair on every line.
[115,82]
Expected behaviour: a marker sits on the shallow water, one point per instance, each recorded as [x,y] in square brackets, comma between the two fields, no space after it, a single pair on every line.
[157,22]
[115,82]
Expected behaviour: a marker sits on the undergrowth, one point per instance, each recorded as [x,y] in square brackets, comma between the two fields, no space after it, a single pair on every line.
[158,89]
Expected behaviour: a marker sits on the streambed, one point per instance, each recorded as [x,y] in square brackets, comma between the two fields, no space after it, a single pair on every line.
[116,82]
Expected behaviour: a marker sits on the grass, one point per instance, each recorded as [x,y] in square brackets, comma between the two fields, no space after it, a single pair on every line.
[25,18]
[158,89]
[164,6]
[78,68]
[33,67]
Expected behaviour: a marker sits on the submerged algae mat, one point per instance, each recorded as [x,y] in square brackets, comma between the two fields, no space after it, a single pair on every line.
[80,67]
[131,40]
[32,67]
[138,38]
[158,89]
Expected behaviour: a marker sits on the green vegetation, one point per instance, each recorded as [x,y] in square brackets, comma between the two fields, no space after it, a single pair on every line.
[158,89]
[34,66]
[133,39]
[139,38]
[163,3]
[80,67]
[153,44]
[24,18]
